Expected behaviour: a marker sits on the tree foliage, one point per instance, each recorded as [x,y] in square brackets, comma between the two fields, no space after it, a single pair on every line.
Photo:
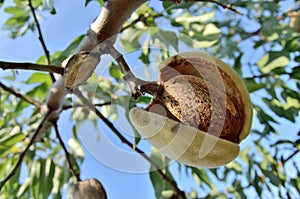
[261,44]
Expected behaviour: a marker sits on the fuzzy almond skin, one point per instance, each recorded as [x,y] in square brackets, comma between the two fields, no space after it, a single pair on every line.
[183,143]
[88,189]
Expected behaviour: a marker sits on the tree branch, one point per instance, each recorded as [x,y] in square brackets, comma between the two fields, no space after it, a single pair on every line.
[26,98]
[292,155]
[66,107]
[106,26]
[128,143]
[229,7]
[108,23]
[30,66]
[138,87]
[266,75]
[72,169]
[41,38]
[22,155]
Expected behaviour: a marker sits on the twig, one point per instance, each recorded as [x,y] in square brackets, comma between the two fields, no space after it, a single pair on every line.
[73,171]
[125,141]
[292,155]
[117,56]
[26,98]
[66,107]
[41,38]
[138,87]
[141,18]
[265,75]
[22,155]
[30,66]
[229,7]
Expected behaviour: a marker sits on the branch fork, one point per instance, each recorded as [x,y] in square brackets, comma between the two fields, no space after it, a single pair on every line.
[138,86]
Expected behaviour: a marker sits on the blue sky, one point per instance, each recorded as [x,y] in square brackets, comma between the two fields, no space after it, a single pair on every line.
[59,30]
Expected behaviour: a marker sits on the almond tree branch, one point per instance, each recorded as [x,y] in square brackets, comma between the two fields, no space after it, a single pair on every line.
[128,143]
[107,25]
[266,75]
[72,169]
[66,107]
[30,66]
[229,7]
[23,153]
[41,38]
[26,98]
[138,87]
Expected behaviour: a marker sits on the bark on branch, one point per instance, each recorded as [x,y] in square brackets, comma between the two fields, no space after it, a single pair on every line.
[30,66]
[138,86]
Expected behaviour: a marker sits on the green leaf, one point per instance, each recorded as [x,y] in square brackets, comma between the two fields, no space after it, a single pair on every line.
[296,73]
[40,78]
[256,184]
[61,56]
[17,11]
[252,86]
[35,186]
[166,37]
[269,25]
[15,23]
[259,43]
[39,91]
[289,93]
[159,184]
[292,44]
[76,148]
[53,11]
[273,60]
[48,4]
[1,2]
[9,141]
[238,64]
[273,177]
[24,188]
[101,2]
[297,58]
[49,174]
[296,182]
[202,175]
[277,108]
[130,39]
[187,19]
[167,193]
[244,154]
[36,3]
[18,23]
[115,72]
[239,188]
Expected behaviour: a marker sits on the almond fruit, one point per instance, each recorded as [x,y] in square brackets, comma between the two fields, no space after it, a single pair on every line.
[201,113]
